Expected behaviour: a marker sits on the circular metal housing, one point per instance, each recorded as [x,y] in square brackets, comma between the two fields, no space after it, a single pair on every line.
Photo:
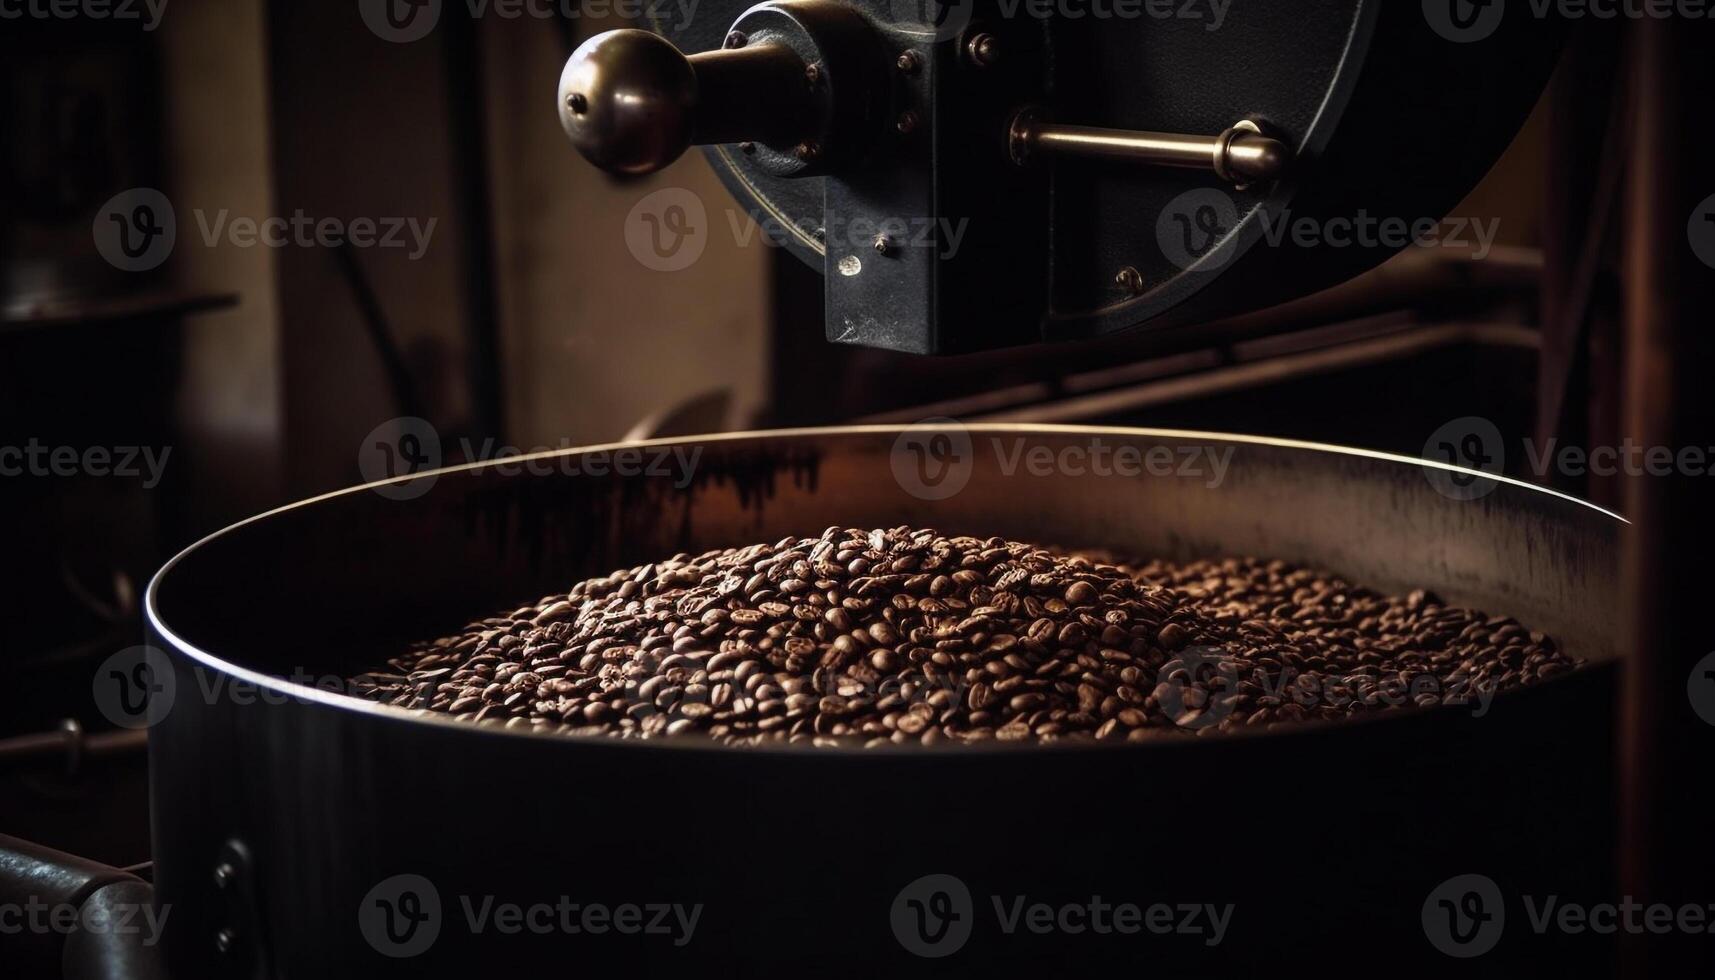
[1340,82]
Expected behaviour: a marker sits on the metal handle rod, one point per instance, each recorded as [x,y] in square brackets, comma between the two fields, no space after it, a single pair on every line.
[1241,155]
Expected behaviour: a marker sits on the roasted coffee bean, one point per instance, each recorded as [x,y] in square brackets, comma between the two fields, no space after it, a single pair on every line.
[903,636]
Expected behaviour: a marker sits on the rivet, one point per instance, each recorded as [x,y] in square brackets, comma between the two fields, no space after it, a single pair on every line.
[907,122]
[983,50]
[909,62]
[1130,280]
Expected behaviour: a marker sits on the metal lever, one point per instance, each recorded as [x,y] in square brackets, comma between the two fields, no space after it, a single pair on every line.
[632,102]
[1241,155]
[797,85]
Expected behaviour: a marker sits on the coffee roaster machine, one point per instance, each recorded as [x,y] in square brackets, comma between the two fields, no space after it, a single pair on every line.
[292,823]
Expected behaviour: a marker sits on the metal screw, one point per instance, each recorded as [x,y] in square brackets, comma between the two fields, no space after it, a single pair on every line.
[813,73]
[577,103]
[225,939]
[820,234]
[883,245]
[983,50]
[806,151]
[907,122]
[1130,280]
[909,62]
[747,147]
[224,873]
[736,39]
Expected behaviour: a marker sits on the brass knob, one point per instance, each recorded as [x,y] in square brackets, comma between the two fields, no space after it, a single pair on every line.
[628,100]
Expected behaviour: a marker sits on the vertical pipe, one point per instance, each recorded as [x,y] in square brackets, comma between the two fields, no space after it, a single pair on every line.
[1665,747]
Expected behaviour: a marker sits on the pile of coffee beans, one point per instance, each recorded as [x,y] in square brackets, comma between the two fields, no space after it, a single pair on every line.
[881,637]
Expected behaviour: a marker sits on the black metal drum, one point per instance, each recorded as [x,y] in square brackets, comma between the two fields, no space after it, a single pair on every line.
[302,833]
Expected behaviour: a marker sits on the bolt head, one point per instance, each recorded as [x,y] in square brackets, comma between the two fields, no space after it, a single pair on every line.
[813,73]
[909,62]
[983,50]
[806,151]
[736,39]
[225,939]
[883,245]
[907,122]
